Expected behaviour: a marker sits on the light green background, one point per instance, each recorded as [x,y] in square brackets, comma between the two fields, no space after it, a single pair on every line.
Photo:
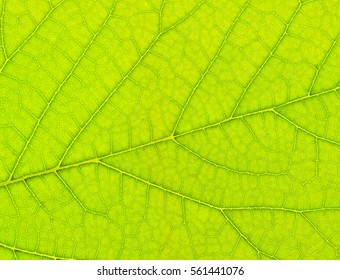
[205,129]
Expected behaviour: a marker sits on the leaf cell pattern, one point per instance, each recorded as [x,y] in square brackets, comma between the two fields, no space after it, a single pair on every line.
[167,129]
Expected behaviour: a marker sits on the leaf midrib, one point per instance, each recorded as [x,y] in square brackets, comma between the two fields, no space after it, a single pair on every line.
[164,139]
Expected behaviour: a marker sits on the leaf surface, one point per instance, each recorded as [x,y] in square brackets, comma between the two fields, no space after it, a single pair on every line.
[169,129]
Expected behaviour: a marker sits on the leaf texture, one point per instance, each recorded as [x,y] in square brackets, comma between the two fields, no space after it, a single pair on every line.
[168,129]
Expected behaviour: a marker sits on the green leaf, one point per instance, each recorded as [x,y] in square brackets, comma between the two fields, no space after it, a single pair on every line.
[173,129]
